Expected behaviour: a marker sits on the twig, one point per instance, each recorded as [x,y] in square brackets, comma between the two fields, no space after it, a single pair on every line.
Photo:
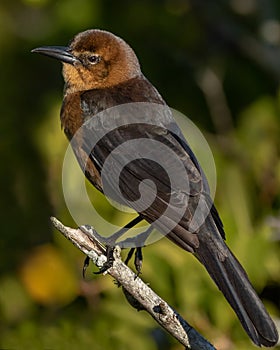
[137,292]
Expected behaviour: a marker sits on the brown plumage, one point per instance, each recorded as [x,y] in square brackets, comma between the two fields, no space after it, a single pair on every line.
[101,71]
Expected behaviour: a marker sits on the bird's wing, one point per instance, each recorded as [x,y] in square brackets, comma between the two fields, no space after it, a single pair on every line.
[155,176]
[148,164]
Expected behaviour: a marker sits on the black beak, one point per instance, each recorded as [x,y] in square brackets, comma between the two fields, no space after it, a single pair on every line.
[61,53]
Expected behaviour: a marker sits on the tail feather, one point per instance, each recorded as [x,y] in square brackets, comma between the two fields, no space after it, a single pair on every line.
[233,281]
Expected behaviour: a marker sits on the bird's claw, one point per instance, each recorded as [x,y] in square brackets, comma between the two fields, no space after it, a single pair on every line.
[138,259]
[109,243]
[109,262]
[85,266]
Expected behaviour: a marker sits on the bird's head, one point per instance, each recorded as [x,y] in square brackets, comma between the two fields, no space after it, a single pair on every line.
[94,59]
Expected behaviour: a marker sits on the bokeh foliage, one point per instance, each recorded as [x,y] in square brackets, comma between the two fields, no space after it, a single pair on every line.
[219,63]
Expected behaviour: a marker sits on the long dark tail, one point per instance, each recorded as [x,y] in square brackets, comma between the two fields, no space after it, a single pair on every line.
[233,282]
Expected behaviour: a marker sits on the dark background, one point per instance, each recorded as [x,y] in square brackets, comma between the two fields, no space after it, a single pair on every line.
[217,62]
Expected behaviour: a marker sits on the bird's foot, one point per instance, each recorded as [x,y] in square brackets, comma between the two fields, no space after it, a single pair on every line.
[110,260]
[109,243]
[106,243]
[138,259]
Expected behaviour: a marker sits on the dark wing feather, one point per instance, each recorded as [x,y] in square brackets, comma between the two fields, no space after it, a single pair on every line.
[164,130]
[155,196]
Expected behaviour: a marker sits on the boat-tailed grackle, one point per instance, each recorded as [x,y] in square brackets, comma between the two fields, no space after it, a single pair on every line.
[102,71]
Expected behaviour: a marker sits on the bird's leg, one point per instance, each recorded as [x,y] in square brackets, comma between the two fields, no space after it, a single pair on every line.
[91,233]
[139,241]
[85,266]
[129,255]
[138,260]
[109,242]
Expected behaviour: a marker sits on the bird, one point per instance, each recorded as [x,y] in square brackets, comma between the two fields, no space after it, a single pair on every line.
[101,71]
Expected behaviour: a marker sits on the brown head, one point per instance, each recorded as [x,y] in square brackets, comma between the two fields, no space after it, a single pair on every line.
[94,59]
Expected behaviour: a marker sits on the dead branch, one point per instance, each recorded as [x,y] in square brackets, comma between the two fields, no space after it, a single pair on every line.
[138,293]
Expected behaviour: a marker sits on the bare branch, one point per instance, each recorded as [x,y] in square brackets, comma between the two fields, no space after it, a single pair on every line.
[137,292]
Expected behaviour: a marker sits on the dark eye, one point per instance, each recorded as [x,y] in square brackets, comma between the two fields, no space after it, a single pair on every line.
[93,59]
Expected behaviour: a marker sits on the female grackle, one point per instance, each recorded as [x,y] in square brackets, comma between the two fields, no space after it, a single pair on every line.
[101,71]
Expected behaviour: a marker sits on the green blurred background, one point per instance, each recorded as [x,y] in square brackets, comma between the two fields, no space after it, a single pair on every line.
[217,62]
